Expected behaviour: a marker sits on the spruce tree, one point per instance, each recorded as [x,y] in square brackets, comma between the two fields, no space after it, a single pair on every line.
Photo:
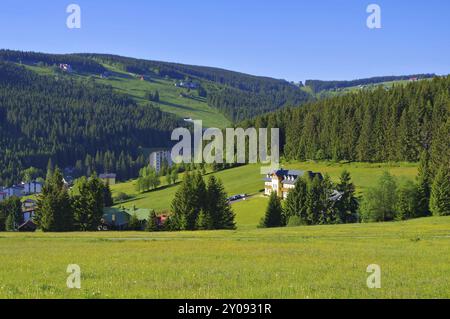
[107,196]
[295,204]
[407,203]
[347,205]
[88,203]
[183,204]
[218,211]
[424,185]
[10,224]
[274,212]
[313,201]
[152,222]
[54,212]
[440,192]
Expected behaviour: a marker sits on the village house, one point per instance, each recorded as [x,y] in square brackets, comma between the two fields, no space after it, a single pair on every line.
[65,67]
[108,178]
[282,181]
[16,190]
[28,210]
[33,188]
[158,158]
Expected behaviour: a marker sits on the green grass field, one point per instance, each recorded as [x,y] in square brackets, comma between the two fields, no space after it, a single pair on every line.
[292,262]
[298,262]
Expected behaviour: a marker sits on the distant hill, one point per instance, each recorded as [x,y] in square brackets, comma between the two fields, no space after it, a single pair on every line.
[318,85]
[237,95]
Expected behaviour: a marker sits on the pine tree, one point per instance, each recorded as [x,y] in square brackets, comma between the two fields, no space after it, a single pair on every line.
[313,201]
[440,192]
[10,224]
[89,203]
[174,175]
[273,216]
[424,185]
[134,223]
[380,202]
[198,200]
[218,212]
[347,205]
[182,204]
[407,203]
[107,196]
[152,222]
[54,212]
[295,204]
[169,177]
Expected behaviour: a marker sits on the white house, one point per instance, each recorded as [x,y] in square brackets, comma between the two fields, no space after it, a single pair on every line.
[158,158]
[282,181]
[16,190]
[33,187]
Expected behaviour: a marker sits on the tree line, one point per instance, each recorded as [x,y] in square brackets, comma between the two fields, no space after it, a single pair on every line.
[200,205]
[369,126]
[68,121]
[81,209]
[79,64]
[318,85]
[314,201]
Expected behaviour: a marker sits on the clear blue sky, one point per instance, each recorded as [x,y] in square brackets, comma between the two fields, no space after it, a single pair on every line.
[290,39]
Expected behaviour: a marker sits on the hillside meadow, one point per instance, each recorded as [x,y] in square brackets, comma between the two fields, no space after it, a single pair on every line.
[327,261]
[171,100]
[247,179]
[298,262]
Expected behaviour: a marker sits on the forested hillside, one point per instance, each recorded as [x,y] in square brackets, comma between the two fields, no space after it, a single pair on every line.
[81,64]
[374,126]
[237,95]
[72,123]
[318,85]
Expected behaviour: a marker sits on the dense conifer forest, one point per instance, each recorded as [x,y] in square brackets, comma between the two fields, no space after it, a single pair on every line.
[318,85]
[371,125]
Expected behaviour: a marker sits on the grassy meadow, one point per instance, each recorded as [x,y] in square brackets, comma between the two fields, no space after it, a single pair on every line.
[297,262]
[247,179]
[327,261]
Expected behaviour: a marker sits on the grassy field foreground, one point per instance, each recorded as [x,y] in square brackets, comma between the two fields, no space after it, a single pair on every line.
[301,262]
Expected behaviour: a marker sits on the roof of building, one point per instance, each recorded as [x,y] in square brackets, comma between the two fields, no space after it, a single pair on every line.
[108,175]
[290,176]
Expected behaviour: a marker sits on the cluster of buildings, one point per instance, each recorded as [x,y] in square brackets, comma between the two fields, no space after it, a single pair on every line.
[159,158]
[20,190]
[282,181]
[187,85]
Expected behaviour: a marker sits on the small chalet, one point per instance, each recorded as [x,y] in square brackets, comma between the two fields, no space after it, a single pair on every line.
[108,178]
[28,210]
[65,67]
[16,190]
[282,181]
